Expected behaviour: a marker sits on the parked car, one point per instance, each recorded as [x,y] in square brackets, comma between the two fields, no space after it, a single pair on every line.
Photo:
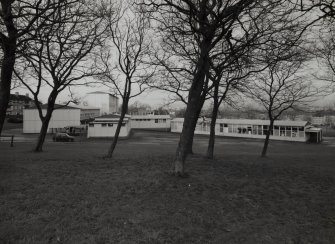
[62,137]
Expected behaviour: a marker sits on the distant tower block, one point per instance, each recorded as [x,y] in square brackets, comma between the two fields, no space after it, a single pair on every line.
[107,102]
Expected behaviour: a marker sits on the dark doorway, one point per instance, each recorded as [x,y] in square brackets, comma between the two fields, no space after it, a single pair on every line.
[313,137]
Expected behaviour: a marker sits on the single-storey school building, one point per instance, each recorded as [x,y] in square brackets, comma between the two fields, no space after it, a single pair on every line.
[105,126]
[61,117]
[151,122]
[285,130]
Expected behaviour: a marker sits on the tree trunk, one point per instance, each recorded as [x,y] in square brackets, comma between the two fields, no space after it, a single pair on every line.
[193,109]
[194,124]
[7,68]
[43,133]
[118,129]
[211,141]
[267,139]
[45,121]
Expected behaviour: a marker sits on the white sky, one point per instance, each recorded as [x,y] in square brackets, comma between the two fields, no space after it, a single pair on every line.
[156,98]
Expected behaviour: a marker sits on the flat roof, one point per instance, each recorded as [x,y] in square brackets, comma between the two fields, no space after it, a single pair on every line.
[151,116]
[57,106]
[313,129]
[83,107]
[111,117]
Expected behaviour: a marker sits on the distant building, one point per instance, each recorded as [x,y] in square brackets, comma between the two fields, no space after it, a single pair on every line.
[318,120]
[87,113]
[19,102]
[62,117]
[248,128]
[151,122]
[106,102]
[105,126]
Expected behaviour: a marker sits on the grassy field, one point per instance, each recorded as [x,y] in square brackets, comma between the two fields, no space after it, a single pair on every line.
[70,194]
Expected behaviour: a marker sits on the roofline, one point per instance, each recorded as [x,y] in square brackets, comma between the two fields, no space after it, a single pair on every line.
[61,107]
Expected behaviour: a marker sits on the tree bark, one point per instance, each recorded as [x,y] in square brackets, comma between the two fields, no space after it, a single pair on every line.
[194,125]
[118,129]
[43,133]
[211,141]
[267,139]
[45,121]
[194,105]
[8,61]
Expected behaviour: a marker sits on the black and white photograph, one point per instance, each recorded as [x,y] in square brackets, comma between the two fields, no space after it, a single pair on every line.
[167,121]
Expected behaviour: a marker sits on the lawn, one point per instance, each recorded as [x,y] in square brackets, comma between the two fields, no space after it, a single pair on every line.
[70,194]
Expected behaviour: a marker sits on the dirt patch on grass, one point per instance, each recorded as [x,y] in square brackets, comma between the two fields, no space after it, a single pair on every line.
[69,194]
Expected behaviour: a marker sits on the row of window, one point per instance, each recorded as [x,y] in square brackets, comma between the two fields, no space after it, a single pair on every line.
[142,119]
[156,120]
[105,124]
[287,131]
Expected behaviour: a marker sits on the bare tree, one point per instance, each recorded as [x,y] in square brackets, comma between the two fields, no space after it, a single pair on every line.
[203,24]
[324,50]
[17,19]
[280,87]
[61,55]
[225,85]
[241,54]
[130,75]
[325,9]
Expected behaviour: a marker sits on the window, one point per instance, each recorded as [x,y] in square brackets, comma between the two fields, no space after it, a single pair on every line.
[221,127]
[260,130]
[103,125]
[156,120]
[235,128]
[276,130]
[288,131]
[230,128]
[282,131]
[123,124]
[110,125]
[294,131]
[91,125]
[164,120]
[254,129]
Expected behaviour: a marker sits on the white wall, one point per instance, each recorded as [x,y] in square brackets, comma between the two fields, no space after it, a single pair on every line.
[108,104]
[97,100]
[150,122]
[108,131]
[59,119]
